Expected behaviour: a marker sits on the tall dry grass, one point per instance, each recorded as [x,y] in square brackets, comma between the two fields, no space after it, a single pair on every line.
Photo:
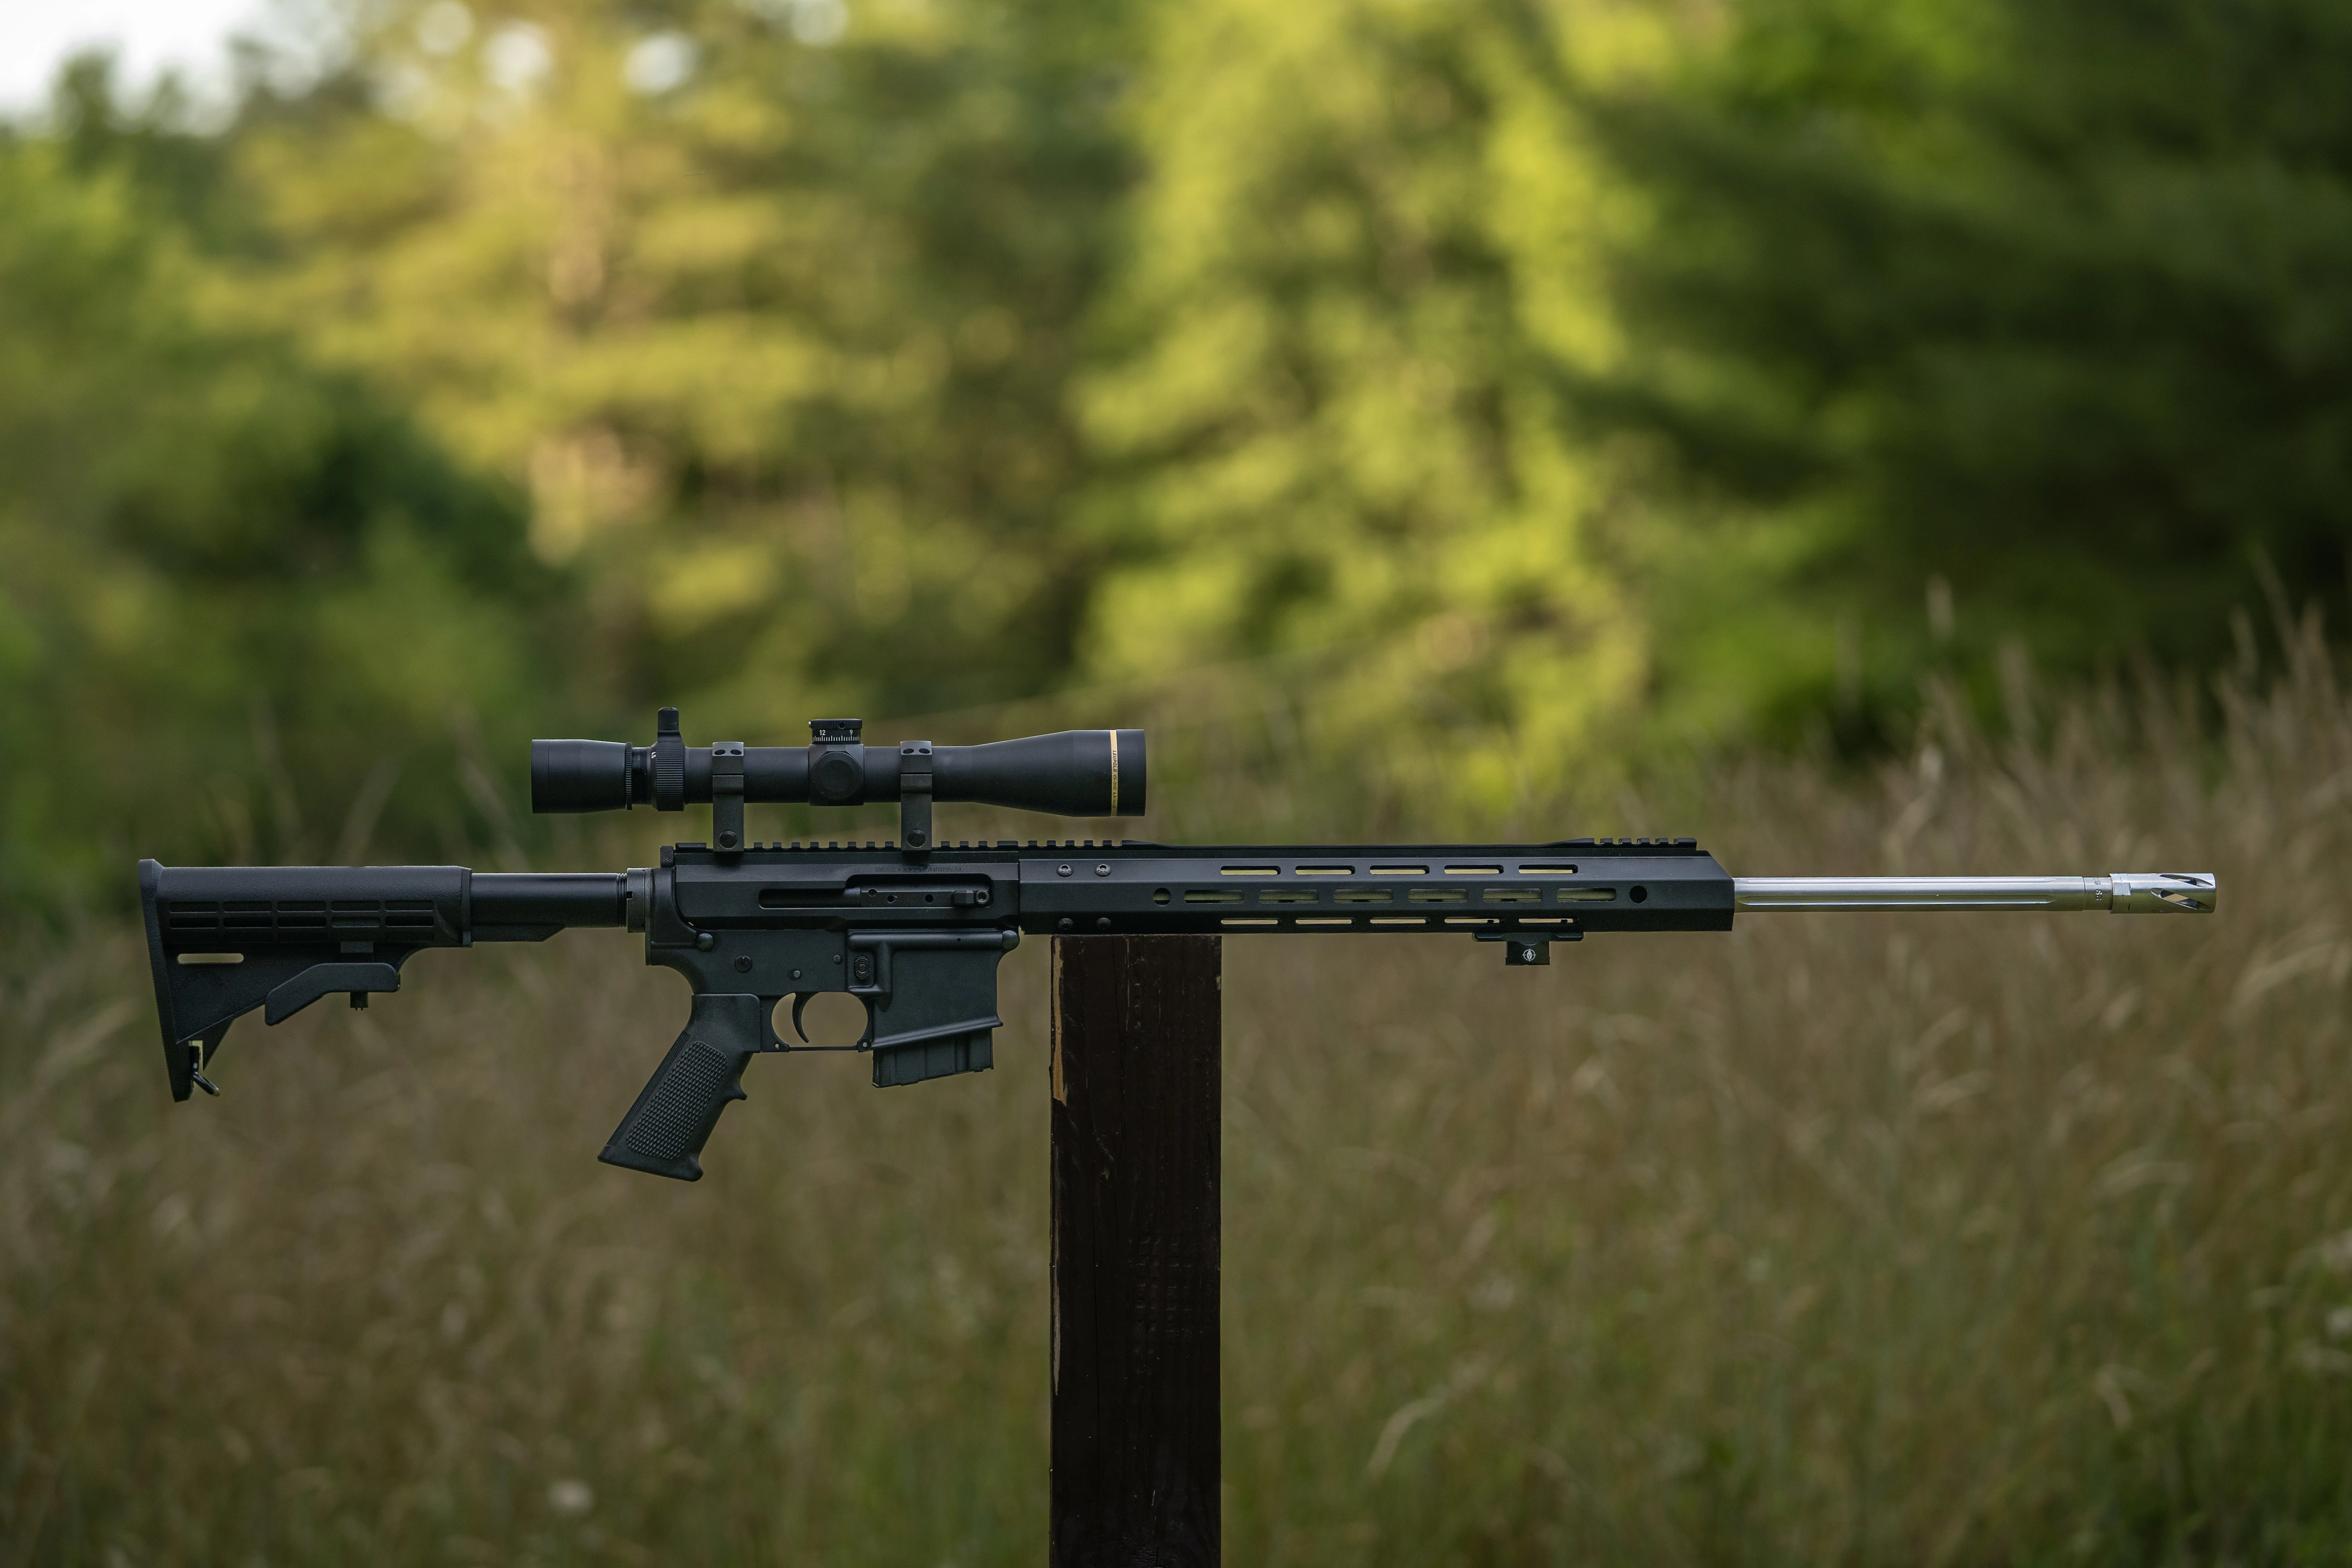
[1842,1238]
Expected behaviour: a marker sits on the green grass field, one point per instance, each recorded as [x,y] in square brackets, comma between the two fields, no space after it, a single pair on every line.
[1866,1240]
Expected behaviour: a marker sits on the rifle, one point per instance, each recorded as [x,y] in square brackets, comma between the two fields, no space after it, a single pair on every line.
[914,928]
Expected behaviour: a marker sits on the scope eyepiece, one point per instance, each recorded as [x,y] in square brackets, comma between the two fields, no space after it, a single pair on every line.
[580,775]
[1074,772]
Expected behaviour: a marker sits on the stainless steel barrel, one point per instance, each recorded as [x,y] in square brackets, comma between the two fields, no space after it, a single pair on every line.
[2119,892]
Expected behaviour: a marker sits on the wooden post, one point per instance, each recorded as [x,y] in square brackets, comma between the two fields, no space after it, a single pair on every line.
[1136,1072]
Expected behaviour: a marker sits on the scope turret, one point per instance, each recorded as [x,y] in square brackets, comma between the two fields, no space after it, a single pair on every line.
[1076,773]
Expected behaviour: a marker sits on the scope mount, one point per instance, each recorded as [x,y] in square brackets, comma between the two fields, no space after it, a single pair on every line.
[915,799]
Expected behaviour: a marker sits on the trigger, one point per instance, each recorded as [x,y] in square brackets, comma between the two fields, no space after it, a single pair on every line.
[800,1000]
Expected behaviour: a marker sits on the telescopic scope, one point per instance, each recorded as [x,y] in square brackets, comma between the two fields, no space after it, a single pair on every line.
[1076,772]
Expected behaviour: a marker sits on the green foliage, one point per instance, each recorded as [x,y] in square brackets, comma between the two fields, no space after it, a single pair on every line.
[1332,450]
[2035,298]
[239,588]
[780,349]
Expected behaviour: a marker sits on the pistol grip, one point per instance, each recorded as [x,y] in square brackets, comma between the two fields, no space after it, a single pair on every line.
[664,1130]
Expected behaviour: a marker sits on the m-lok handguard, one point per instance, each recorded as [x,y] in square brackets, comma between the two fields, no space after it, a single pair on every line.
[914,928]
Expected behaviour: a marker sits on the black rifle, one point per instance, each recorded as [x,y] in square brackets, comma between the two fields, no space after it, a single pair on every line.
[914,928]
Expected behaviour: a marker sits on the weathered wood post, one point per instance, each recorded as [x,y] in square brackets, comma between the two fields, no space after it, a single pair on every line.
[1136,1074]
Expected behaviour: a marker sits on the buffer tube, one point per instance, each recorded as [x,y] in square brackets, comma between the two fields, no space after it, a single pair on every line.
[2120,893]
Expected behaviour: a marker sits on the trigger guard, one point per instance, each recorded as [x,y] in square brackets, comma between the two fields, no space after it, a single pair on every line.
[802,999]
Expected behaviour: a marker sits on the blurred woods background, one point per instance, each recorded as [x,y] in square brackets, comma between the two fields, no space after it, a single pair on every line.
[1875,437]
[1452,400]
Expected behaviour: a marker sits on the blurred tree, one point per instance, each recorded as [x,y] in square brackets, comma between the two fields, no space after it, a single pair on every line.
[771,307]
[1981,320]
[238,590]
[915,356]
[1335,447]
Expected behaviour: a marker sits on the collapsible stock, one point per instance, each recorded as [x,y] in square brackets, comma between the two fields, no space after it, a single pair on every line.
[222,941]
